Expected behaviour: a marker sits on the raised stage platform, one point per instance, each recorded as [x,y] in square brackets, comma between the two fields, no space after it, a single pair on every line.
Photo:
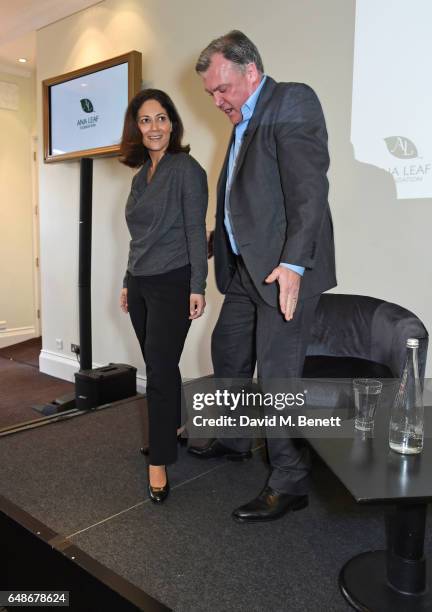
[74,514]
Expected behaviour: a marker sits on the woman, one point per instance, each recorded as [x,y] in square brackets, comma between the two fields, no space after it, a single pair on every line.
[163,289]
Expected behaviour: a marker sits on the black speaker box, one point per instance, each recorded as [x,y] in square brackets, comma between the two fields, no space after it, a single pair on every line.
[104,385]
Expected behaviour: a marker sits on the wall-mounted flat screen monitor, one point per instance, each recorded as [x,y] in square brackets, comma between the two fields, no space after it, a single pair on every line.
[84,110]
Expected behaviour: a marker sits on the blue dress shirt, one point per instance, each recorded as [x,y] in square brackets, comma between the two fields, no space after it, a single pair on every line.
[247,111]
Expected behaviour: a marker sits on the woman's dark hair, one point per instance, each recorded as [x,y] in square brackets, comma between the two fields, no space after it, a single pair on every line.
[132,151]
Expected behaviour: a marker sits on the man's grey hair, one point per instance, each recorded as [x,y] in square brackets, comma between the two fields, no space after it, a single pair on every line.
[234,46]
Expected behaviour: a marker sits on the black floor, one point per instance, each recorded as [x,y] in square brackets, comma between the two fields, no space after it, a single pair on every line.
[85,479]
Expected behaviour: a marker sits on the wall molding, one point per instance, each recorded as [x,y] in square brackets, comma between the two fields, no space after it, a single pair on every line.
[13,335]
[60,366]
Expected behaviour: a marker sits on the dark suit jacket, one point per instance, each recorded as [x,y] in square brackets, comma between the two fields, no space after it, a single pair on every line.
[279,191]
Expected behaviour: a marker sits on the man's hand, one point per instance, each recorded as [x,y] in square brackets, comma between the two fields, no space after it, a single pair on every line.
[289,285]
[124,300]
[196,305]
[210,242]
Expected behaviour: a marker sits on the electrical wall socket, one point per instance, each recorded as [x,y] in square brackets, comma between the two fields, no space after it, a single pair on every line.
[59,344]
[75,348]
[3,325]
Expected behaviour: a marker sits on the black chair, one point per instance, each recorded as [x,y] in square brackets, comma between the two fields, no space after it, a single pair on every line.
[360,336]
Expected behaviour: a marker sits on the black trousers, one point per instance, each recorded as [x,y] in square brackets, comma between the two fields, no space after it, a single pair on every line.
[159,310]
[250,332]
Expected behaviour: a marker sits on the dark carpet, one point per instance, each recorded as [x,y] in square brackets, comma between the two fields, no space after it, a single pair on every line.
[85,479]
[24,352]
[22,385]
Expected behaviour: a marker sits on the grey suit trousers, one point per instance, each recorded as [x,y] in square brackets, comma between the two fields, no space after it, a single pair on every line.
[249,332]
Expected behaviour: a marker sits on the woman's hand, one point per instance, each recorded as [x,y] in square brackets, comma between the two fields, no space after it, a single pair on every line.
[196,305]
[124,300]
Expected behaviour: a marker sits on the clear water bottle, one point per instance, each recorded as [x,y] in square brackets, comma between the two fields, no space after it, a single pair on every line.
[406,423]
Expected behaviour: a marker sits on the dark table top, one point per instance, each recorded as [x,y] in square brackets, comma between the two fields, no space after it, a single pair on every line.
[369,469]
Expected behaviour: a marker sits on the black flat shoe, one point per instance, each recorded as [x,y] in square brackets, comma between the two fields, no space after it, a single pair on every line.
[144,450]
[159,494]
[269,506]
[216,449]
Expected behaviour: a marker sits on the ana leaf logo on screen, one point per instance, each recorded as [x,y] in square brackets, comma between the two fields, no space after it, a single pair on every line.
[86,105]
[401,147]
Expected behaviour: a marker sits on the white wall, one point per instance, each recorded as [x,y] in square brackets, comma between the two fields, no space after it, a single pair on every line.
[17,306]
[299,41]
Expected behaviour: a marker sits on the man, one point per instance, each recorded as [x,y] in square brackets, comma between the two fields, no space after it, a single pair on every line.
[273,246]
